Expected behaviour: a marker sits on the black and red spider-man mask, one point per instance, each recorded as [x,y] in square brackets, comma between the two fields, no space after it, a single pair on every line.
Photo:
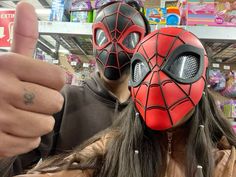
[117,30]
[167,76]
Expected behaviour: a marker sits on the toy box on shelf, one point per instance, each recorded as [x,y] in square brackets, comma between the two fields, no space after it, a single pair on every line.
[163,16]
[80,10]
[211,12]
[98,4]
[57,11]
[156,15]
[229,108]
[170,12]
[222,86]
[225,12]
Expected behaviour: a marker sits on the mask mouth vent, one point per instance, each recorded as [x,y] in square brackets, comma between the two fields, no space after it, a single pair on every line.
[185,67]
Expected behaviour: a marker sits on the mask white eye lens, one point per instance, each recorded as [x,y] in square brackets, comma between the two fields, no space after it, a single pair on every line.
[100,37]
[185,67]
[131,40]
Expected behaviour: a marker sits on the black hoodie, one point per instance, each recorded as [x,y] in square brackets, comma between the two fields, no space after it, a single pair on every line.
[87,110]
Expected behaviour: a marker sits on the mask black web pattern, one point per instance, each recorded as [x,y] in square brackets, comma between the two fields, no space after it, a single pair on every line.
[157,80]
[117,18]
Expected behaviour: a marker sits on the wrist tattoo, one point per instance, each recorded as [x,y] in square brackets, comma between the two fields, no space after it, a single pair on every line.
[28,97]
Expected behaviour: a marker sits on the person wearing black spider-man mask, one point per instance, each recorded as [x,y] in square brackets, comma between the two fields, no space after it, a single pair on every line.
[88,108]
[117,31]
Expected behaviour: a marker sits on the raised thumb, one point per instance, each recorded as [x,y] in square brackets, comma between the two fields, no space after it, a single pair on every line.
[25,31]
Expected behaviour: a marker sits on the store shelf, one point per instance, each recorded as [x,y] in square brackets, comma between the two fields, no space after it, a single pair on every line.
[66,28]
[77,38]
[209,33]
[202,32]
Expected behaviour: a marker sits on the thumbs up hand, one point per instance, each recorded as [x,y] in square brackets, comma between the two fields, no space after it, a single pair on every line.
[29,89]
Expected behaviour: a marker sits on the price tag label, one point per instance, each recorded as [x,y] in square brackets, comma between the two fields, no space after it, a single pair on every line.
[55,61]
[73,63]
[85,65]
[226,67]
[216,65]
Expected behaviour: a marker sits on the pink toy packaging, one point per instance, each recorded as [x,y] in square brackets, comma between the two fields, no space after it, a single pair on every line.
[201,12]
[225,12]
[211,12]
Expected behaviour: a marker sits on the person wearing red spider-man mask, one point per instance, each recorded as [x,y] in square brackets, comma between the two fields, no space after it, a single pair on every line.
[173,127]
[168,76]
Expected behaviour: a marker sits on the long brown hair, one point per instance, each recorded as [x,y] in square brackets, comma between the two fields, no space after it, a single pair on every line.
[136,151]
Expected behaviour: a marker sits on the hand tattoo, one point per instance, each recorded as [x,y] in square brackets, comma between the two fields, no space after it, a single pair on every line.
[28,97]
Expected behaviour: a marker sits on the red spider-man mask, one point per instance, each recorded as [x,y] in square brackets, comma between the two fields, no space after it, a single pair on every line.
[167,76]
[117,30]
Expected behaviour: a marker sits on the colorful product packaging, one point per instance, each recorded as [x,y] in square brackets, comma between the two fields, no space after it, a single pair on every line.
[80,10]
[57,11]
[211,12]
[229,109]
[163,16]
[156,15]
[225,13]
[201,12]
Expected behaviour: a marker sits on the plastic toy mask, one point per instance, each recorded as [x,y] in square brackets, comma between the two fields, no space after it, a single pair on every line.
[117,30]
[167,76]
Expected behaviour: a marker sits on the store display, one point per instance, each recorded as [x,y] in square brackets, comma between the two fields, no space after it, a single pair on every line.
[201,12]
[81,16]
[170,13]
[216,79]
[230,89]
[57,11]
[223,85]
[212,12]
[156,15]
[164,12]
[225,13]
[176,11]
[173,16]
[80,10]
[6,27]
[229,108]
[73,5]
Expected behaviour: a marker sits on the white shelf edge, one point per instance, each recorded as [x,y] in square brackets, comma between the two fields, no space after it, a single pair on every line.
[202,32]
[226,34]
[69,28]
